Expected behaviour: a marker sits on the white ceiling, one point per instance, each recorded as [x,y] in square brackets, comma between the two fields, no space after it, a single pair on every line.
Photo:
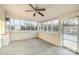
[52,10]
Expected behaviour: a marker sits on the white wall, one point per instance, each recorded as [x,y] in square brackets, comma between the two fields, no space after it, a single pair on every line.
[50,37]
[21,35]
[5,39]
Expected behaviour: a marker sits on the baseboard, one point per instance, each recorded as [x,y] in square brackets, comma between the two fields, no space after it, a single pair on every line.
[23,39]
[49,42]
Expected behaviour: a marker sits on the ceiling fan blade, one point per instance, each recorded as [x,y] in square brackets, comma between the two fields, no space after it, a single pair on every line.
[34,14]
[29,10]
[40,13]
[31,6]
[42,9]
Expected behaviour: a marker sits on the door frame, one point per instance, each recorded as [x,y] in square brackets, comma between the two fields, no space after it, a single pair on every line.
[62,36]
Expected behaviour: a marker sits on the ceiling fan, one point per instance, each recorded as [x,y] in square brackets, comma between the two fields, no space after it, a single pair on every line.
[36,10]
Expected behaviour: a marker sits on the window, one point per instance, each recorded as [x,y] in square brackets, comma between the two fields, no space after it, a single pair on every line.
[23,25]
[36,25]
[17,24]
[32,26]
[49,25]
[45,26]
[27,25]
[39,25]
[12,27]
[55,25]
[70,24]
[42,27]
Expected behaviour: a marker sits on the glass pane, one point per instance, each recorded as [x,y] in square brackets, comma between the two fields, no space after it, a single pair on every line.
[55,25]
[70,45]
[41,26]
[27,25]
[12,24]
[36,26]
[16,22]
[70,33]
[23,25]
[49,25]
[7,26]
[71,22]
[45,26]
[70,37]
[32,25]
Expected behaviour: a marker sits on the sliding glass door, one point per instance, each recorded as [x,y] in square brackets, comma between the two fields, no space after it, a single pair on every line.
[70,34]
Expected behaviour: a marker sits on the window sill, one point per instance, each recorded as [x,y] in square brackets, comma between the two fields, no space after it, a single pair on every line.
[23,31]
[49,32]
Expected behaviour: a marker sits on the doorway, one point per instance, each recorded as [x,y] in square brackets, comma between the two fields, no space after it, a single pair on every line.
[70,34]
